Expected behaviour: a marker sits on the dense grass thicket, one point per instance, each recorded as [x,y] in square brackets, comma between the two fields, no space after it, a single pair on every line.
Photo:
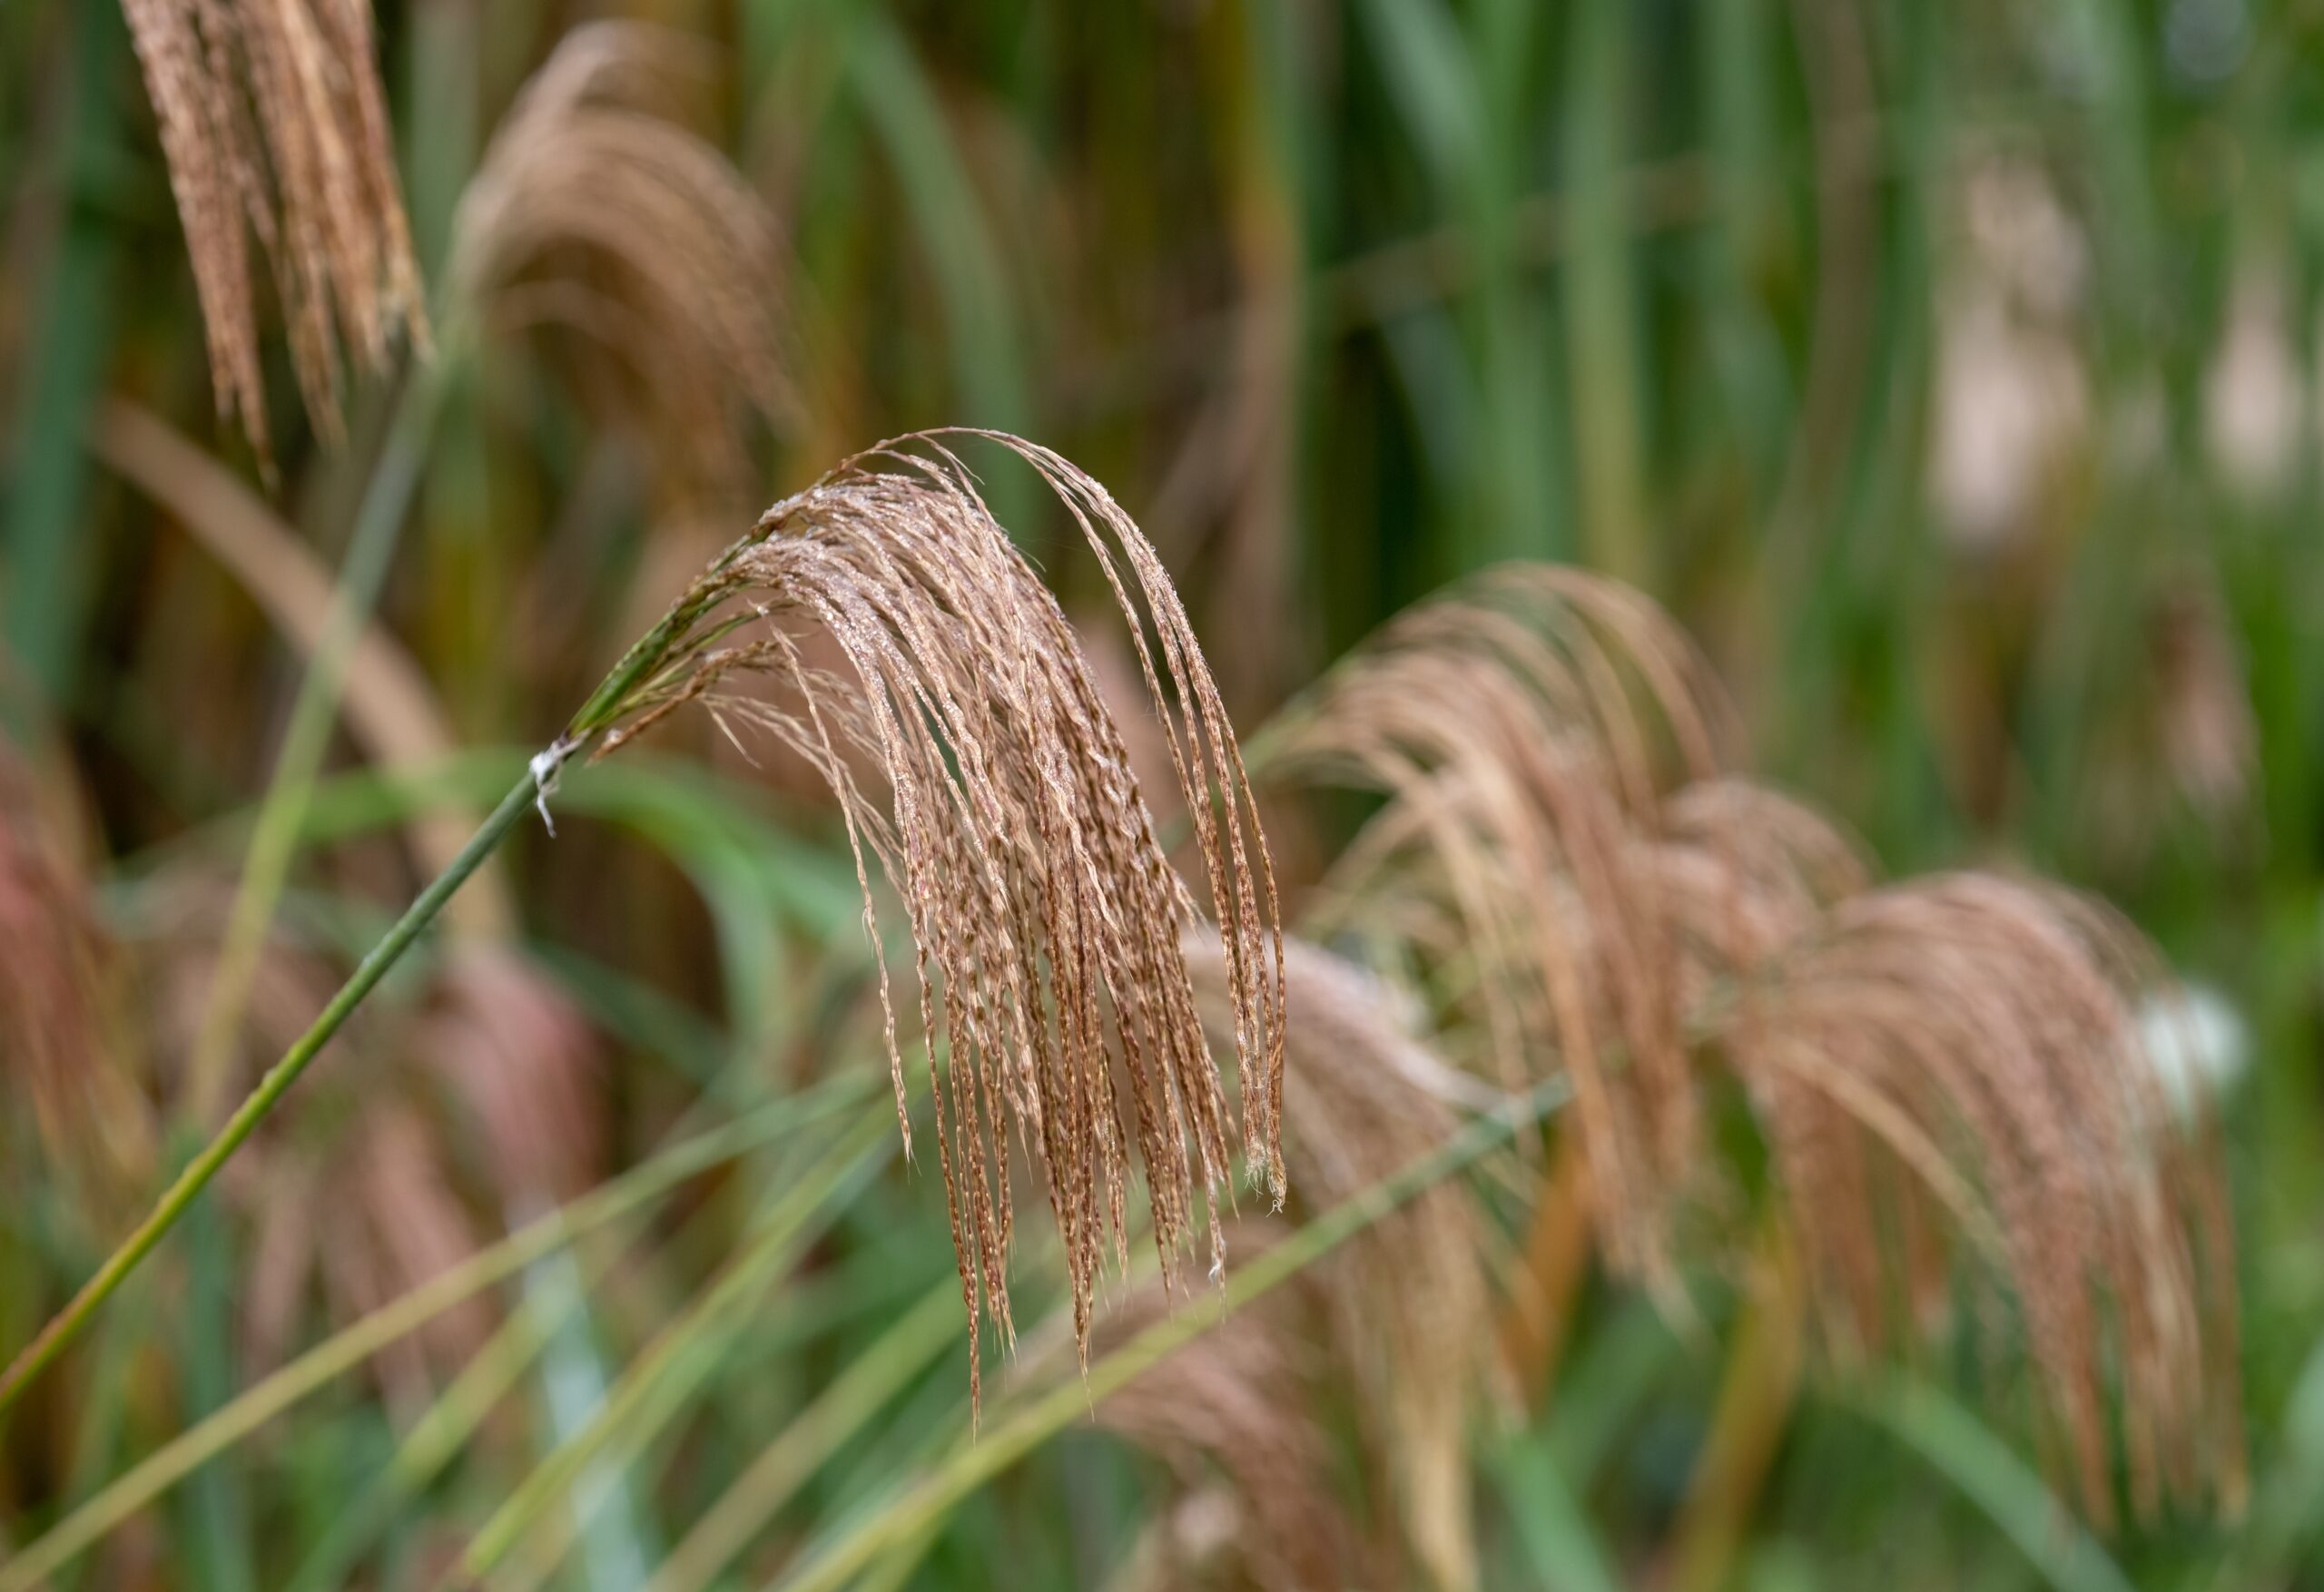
[1605,869]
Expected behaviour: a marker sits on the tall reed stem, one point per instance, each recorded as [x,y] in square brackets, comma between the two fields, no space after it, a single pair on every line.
[370,550]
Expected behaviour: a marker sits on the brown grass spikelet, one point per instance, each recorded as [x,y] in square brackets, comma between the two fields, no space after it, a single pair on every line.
[598,210]
[1524,727]
[1975,1039]
[1362,1099]
[274,126]
[1045,918]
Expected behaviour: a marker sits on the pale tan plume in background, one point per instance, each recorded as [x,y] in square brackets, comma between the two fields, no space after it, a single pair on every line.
[1950,1072]
[595,210]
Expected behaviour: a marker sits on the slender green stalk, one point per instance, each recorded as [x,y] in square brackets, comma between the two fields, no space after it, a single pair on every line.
[370,550]
[657,1385]
[920,1505]
[853,1397]
[67,1324]
[1990,1474]
[171,1463]
[604,705]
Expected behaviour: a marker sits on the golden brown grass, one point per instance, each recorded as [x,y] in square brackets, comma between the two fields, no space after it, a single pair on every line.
[274,126]
[1947,1071]
[596,211]
[1525,727]
[1975,1039]
[1045,919]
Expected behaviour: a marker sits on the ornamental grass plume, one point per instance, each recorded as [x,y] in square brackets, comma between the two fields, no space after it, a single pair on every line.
[1045,915]
[1524,728]
[274,126]
[1952,1074]
[1045,918]
[1977,1039]
[596,211]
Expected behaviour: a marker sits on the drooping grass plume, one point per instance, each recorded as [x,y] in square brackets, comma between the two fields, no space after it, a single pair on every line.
[1957,1057]
[1978,1040]
[61,1042]
[596,211]
[1741,871]
[1046,919]
[1524,728]
[274,126]
[1364,1096]
[1031,871]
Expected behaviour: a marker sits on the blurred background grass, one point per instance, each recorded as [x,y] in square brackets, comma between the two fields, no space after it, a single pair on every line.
[1951,371]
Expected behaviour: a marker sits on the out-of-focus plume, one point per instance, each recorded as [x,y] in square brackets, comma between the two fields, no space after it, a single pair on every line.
[1525,729]
[466,1106]
[1045,917]
[1362,1099]
[61,1043]
[274,126]
[595,210]
[1961,1040]
[1229,1414]
[1742,871]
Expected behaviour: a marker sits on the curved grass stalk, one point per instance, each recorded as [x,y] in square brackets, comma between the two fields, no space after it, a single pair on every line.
[870,1381]
[349,1347]
[67,1324]
[370,550]
[1014,1436]
[603,706]
[657,1384]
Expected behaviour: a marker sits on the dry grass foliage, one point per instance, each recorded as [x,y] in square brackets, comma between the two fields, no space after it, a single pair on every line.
[60,1046]
[1979,1037]
[274,126]
[1525,730]
[1362,1099]
[1946,1069]
[596,211]
[1256,1499]
[1045,917]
